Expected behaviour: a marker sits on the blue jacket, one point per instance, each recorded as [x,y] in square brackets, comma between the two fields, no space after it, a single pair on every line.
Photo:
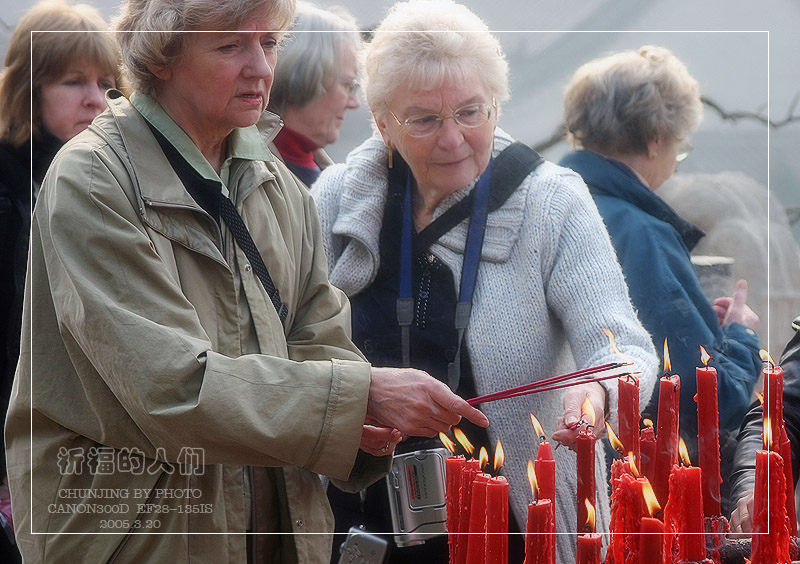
[653,244]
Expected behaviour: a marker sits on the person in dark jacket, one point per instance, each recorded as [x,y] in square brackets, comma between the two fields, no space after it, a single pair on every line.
[69,72]
[743,476]
[316,82]
[631,115]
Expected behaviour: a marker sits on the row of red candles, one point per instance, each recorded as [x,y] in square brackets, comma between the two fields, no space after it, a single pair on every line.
[478,503]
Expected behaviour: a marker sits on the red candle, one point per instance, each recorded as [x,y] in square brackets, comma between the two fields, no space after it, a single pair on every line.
[454,466]
[540,540]
[667,436]
[770,527]
[588,551]
[628,413]
[626,514]
[471,469]
[586,485]
[773,411]
[545,465]
[476,542]
[683,515]
[648,451]
[651,541]
[708,436]
[497,521]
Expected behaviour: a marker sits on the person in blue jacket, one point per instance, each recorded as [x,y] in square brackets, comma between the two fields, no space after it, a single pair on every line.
[631,115]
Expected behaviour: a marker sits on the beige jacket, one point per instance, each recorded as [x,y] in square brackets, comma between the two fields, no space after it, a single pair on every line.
[151,333]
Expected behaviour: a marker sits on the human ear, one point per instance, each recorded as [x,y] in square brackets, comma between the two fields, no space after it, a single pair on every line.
[161,72]
[383,129]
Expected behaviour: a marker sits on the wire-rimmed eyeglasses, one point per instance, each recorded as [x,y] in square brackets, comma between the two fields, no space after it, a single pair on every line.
[469,116]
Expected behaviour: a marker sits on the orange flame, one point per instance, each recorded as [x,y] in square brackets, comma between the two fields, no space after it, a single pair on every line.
[647,423]
[612,342]
[667,363]
[704,356]
[632,464]
[499,456]
[760,398]
[588,409]
[650,498]
[591,516]
[463,440]
[449,445]
[532,480]
[483,457]
[613,439]
[684,453]
[537,427]
[767,434]
[765,356]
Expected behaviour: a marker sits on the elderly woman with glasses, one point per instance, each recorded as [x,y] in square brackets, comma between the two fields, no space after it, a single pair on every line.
[631,114]
[546,282]
[316,82]
[191,370]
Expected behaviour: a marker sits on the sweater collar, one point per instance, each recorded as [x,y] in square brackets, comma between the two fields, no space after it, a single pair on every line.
[610,177]
[296,147]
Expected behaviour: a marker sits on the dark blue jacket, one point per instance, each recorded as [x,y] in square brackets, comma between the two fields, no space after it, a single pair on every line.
[653,244]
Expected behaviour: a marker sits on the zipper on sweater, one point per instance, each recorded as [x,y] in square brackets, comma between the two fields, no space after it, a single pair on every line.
[127,536]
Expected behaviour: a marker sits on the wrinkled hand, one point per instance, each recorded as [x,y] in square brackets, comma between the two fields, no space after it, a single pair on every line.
[568,424]
[735,309]
[379,440]
[742,518]
[416,404]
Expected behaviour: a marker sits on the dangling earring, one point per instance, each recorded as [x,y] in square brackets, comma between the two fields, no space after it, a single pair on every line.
[391,157]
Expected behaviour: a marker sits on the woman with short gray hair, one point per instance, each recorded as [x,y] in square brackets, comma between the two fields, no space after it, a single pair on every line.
[316,82]
[194,373]
[631,116]
[546,282]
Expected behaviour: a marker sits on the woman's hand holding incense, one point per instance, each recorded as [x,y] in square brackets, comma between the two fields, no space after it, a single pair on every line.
[578,414]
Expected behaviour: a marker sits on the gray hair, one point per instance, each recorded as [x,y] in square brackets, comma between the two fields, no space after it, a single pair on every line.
[421,43]
[619,103]
[310,59]
[166,20]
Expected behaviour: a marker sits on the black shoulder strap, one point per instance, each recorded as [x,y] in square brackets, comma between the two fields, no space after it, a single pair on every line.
[509,169]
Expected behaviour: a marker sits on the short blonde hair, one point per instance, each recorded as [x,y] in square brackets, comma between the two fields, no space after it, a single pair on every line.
[28,69]
[421,43]
[619,103]
[310,57]
[150,32]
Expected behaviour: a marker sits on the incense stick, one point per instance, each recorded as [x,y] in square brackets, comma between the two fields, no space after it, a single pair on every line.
[550,381]
[549,384]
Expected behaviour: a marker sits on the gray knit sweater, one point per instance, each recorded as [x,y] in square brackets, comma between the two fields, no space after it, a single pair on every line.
[547,285]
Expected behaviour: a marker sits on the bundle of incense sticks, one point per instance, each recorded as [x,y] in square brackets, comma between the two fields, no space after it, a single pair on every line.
[555,382]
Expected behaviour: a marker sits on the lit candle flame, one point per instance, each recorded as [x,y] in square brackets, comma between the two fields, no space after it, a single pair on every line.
[449,445]
[612,342]
[588,409]
[684,453]
[613,439]
[537,427]
[767,434]
[632,464]
[650,498]
[765,356]
[647,423]
[590,515]
[499,456]
[532,480]
[667,363]
[760,398]
[463,440]
[704,356]
[483,457]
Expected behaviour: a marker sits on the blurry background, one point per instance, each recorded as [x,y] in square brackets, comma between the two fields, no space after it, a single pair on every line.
[745,56]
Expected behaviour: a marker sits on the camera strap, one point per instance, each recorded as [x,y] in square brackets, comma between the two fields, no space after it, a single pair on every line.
[512,166]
